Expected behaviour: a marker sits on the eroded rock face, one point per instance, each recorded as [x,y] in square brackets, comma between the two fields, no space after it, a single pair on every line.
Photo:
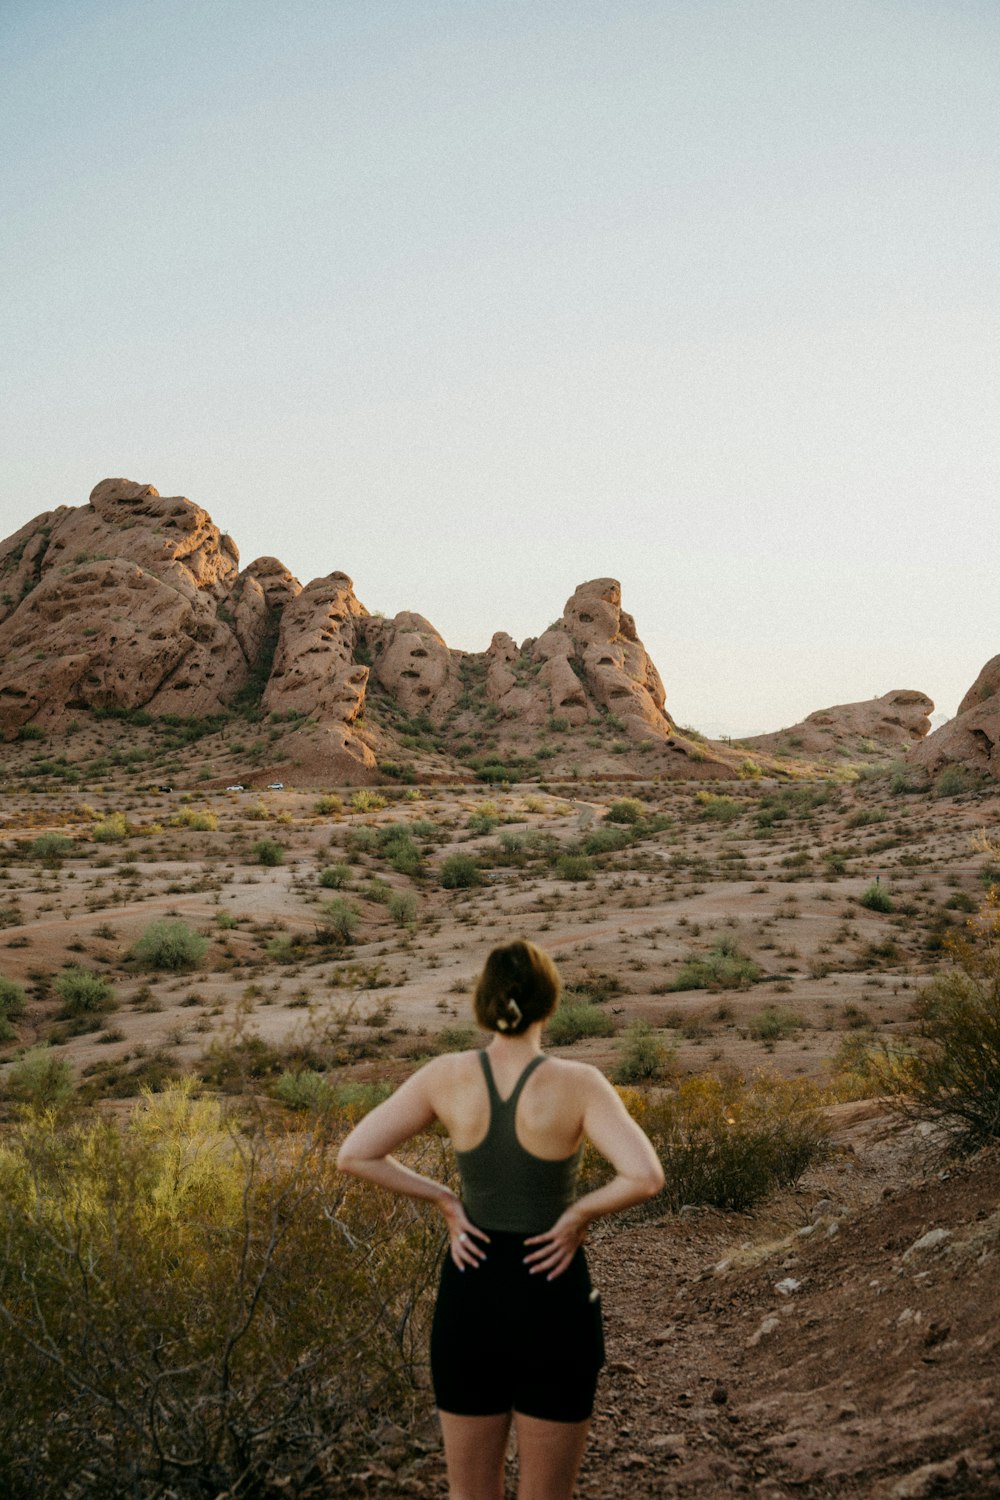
[126,601]
[138,632]
[590,659]
[897,720]
[413,664]
[972,738]
[135,600]
[315,671]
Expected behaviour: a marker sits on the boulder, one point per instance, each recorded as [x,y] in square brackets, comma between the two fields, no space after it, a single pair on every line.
[315,671]
[972,738]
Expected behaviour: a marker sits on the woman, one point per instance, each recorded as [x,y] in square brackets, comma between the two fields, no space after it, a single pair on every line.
[517,1328]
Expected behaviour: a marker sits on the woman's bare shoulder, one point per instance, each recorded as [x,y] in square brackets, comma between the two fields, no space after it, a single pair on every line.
[578,1075]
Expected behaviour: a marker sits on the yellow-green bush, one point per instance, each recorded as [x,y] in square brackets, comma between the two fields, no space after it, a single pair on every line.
[952,1074]
[193,1307]
[727,1142]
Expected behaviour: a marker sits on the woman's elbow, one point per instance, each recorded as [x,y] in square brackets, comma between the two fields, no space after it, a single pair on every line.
[347,1160]
[652,1182]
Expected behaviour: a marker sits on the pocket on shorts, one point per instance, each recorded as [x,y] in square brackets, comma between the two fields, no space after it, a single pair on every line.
[596,1320]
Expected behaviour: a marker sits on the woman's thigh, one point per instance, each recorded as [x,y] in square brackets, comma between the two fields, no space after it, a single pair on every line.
[549,1455]
[474,1450]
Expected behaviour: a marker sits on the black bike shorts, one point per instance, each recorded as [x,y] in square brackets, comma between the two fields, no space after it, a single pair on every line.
[505,1340]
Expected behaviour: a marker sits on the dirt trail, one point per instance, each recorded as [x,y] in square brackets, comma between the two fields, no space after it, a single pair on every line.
[874,1375]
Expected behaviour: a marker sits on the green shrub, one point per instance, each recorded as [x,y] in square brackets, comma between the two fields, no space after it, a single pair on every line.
[574,867]
[335,876]
[726,1142]
[642,1056]
[269,852]
[876,898]
[51,847]
[42,1081]
[573,1020]
[722,809]
[169,944]
[304,1090]
[12,999]
[363,840]
[953,1073]
[110,830]
[901,781]
[340,921]
[457,1038]
[606,840]
[460,871]
[328,804]
[403,908]
[83,993]
[952,781]
[625,810]
[725,967]
[773,1023]
[749,770]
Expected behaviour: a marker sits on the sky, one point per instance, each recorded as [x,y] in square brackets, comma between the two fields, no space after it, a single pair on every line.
[478,299]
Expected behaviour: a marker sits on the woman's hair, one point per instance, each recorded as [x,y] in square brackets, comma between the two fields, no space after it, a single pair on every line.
[519,984]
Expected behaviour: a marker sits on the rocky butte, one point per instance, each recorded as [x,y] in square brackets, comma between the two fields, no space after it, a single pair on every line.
[136,601]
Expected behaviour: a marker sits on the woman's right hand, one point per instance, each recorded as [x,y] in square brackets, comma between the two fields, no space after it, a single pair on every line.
[462,1233]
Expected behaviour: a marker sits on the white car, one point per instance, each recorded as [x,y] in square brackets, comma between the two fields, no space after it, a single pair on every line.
[276,786]
[239,787]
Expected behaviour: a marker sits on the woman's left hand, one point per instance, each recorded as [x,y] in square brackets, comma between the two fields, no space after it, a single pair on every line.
[557,1246]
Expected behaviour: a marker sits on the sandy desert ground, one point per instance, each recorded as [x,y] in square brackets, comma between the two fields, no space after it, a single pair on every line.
[770,874]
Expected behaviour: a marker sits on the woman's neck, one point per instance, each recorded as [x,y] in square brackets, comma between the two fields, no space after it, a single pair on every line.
[527,1041]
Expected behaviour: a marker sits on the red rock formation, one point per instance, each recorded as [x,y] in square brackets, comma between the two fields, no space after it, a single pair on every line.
[895,721]
[972,737]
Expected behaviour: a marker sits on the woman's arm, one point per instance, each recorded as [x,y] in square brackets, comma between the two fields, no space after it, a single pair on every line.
[638,1176]
[366,1153]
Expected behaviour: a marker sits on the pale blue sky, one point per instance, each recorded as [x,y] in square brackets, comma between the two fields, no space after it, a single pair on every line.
[475,301]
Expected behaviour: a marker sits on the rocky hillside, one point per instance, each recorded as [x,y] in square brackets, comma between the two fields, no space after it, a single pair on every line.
[972,738]
[875,726]
[135,602]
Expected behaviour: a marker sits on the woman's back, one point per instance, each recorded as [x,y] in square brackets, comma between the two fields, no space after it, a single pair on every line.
[549,1114]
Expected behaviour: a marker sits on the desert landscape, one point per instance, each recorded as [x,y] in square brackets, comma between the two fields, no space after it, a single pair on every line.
[255,845]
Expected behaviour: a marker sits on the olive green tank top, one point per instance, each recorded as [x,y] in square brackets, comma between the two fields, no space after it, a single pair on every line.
[503,1185]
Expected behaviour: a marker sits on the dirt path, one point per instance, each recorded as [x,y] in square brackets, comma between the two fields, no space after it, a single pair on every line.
[873,1376]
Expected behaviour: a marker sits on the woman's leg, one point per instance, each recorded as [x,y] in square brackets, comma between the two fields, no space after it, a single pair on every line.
[474,1450]
[549,1455]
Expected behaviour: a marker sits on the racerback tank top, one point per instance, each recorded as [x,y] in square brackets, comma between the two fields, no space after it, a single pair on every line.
[503,1185]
